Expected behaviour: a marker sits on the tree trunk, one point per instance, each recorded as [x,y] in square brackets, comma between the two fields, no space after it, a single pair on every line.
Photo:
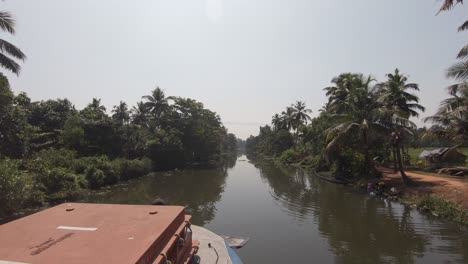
[400,163]
[395,167]
[366,152]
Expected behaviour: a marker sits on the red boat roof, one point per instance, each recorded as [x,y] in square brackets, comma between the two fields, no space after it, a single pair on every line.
[90,233]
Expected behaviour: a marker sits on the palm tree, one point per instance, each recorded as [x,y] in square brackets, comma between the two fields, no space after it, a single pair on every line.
[96,106]
[278,122]
[399,104]
[451,119]
[94,110]
[301,112]
[356,110]
[156,103]
[7,23]
[121,114]
[140,114]
[337,93]
[289,118]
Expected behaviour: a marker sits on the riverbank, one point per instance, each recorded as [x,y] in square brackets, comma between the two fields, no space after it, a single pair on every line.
[55,176]
[443,196]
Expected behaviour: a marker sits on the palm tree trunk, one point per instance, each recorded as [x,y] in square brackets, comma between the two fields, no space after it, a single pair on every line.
[400,163]
[366,152]
[395,167]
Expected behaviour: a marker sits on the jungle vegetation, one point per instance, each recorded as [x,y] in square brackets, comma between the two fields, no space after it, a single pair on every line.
[364,124]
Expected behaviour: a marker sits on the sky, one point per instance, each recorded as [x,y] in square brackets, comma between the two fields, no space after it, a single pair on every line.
[244,59]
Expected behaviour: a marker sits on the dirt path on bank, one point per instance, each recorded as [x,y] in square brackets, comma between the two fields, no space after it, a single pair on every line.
[452,188]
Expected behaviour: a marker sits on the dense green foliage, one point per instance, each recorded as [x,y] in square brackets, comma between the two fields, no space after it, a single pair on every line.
[51,152]
[361,125]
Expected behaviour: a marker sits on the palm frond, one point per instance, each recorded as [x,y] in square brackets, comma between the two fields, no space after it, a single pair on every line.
[7,23]
[9,64]
[454,88]
[11,49]
[337,135]
[413,86]
[458,71]
[463,27]
[448,4]
[463,53]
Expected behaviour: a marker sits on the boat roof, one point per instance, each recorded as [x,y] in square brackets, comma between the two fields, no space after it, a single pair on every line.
[90,233]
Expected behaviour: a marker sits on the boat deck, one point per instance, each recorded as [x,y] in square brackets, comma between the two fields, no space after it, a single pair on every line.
[93,233]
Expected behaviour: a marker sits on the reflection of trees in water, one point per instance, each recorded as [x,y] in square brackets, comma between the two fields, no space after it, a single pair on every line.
[292,188]
[230,160]
[198,189]
[359,230]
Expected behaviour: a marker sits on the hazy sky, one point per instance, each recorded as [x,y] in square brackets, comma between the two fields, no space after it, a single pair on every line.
[244,59]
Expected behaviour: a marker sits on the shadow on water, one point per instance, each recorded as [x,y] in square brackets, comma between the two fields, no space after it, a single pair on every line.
[362,229]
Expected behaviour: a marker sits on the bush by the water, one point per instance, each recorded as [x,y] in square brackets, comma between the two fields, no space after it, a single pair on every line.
[443,208]
[15,187]
[300,156]
[290,156]
[95,177]
[131,169]
[58,184]
[352,165]
[56,175]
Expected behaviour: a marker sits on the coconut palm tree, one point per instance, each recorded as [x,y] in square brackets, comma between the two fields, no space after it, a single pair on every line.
[399,104]
[357,112]
[7,23]
[121,113]
[96,105]
[156,103]
[140,114]
[451,119]
[301,113]
[278,122]
[94,110]
[337,93]
[395,94]
[289,118]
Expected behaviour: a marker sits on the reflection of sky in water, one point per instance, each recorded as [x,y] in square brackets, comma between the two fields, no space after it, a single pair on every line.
[294,217]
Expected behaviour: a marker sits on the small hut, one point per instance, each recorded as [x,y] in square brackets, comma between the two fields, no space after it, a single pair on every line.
[443,155]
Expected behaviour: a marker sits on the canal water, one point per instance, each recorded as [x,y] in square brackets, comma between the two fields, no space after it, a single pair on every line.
[293,217]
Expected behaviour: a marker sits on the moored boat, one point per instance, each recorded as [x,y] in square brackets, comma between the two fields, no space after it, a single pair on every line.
[110,233]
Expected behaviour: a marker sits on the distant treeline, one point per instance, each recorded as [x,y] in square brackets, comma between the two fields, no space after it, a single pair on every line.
[50,151]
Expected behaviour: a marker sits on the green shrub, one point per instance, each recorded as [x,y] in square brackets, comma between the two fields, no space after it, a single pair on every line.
[80,165]
[443,208]
[15,187]
[166,150]
[290,156]
[130,169]
[59,184]
[95,177]
[101,163]
[351,164]
[51,158]
[82,182]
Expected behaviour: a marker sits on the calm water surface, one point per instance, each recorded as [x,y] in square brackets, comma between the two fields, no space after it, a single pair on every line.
[293,217]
